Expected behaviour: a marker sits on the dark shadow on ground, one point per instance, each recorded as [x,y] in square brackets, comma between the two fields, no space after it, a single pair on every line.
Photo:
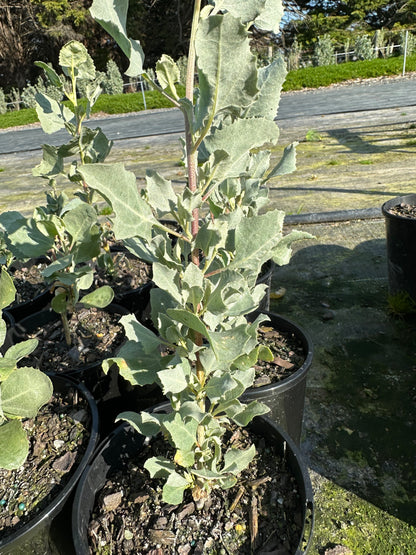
[361,394]
[338,190]
[354,142]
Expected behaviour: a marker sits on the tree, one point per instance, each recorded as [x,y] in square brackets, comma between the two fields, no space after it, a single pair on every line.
[340,17]
[36,29]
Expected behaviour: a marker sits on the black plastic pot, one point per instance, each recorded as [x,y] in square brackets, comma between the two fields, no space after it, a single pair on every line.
[124,442]
[136,301]
[105,388]
[401,248]
[20,310]
[286,399]
[25,309]
[35,536]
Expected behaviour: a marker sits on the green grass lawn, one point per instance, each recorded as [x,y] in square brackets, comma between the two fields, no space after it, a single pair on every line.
[298,79]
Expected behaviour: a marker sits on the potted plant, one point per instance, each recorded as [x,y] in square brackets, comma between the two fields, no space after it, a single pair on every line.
[203,348]
[400,219]
[67,233]
[33,387]
[48,430]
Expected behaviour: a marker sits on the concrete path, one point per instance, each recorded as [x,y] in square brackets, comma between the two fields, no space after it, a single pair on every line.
[354,98]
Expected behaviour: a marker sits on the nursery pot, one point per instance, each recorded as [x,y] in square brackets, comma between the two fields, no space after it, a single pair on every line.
[401,248]
[35,536]
[124,442]
[105,388]
[20,310]
[286,398]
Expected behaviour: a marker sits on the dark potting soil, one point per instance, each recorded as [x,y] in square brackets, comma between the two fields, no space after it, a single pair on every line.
[288,356]
[404,210]
[28,280]
[261,514]
[58,439]
[128,273]
[95,334]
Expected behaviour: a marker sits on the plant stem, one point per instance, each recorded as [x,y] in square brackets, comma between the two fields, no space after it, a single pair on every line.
[190,155]
[65,324]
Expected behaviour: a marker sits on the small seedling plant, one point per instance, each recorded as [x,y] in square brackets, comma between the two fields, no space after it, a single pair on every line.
[204,349]
[23,390]
[69,233]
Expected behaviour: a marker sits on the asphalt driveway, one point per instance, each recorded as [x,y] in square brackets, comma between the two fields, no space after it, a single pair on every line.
[361,97]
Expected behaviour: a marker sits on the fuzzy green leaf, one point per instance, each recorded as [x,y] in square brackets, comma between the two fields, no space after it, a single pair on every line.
[220,40]
[52,163]
[7,289]
[135,331]
[79,220]
[52,115]
[135,365]
[183,433]
[100,298]
[21,350]
[230,344]
[60,303]
[145,423]
[7,366]
[188,319]
[174,488]
[243,414]
[24,392]
[223,388]
[236,460]
[237,139]
[24,238]
[270,82]
[287,164]
[265,14]
[159,467]
[160,193]
[174,379]
[14,445]
[167,73]
[51,74]
[167,279]
[255,239]
[133,216]
[74,55]
[282,252]
[112,16]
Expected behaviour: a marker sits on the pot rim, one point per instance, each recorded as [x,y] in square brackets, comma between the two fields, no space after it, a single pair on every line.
[410,198]
[298,375]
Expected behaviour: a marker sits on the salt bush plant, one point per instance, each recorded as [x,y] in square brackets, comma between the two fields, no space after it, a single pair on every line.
[363,48]
[324,53]
[207,278]
[3,103]
[113,81]
[68,232]
[411,42]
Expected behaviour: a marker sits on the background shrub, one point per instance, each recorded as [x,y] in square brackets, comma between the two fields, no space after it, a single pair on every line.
[363,48]
[324,53]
